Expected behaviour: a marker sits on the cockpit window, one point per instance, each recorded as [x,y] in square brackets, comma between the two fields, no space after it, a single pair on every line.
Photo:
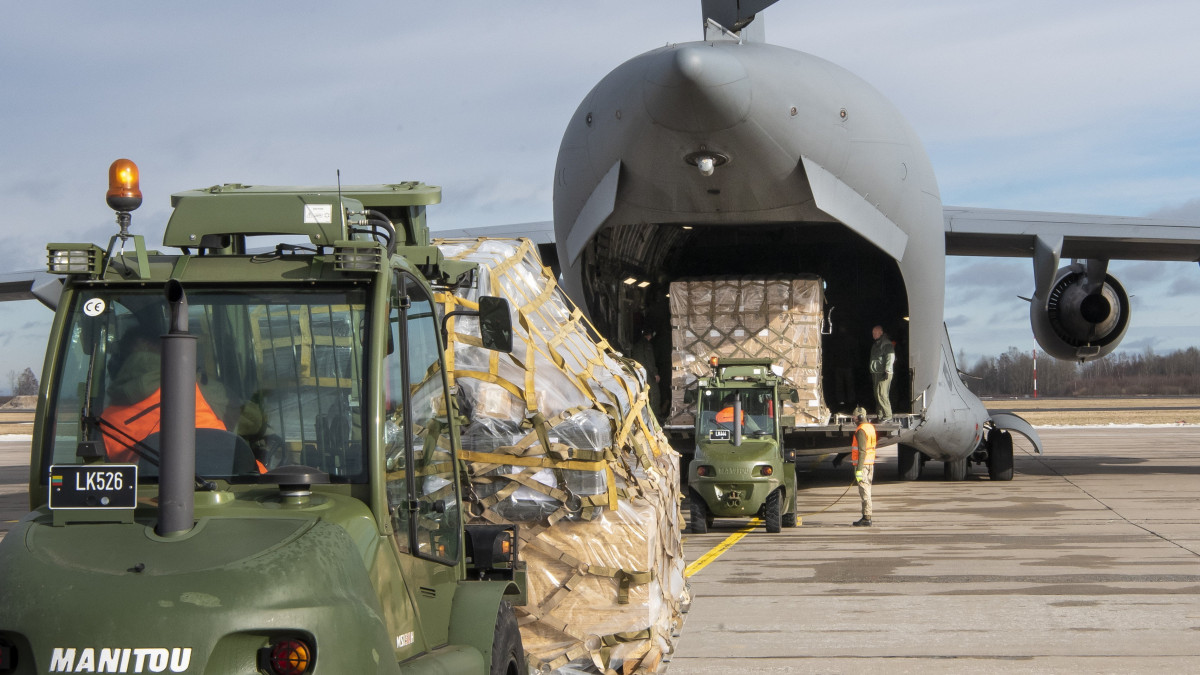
[279,377]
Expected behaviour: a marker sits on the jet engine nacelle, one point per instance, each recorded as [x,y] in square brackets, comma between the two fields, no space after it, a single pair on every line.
[1080,319]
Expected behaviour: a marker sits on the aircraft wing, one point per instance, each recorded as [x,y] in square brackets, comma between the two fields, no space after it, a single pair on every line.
[1004,233]
[30,285]
[993,232]
[541,232]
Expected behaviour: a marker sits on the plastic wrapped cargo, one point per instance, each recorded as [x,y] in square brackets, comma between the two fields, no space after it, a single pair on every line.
[749,317]
[560,441]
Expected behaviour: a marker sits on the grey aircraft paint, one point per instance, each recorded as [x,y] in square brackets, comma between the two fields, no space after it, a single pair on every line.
[791,142]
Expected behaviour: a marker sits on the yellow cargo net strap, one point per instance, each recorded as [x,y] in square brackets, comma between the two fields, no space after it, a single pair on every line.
[556,339]
[600,655]
[532,344]
[581,380]
[625,578]
[531,306]
[545,463]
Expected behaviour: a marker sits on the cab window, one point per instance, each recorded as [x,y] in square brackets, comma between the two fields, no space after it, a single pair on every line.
[278,381]
[422,494]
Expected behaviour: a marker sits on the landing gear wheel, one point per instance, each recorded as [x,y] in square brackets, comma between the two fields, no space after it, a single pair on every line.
[701,519]
[908,462]
[955,470]
[508,654]
[771,514]
[1000,455]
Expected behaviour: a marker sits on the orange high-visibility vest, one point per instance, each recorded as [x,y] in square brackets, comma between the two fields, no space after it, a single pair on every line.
[141,419]
[725,416]
[869,451]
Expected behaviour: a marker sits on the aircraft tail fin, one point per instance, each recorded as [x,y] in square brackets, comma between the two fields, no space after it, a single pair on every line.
[737,16]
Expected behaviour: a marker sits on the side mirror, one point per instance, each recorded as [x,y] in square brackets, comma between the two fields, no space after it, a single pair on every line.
[792,395]
[689,396]
[495,324]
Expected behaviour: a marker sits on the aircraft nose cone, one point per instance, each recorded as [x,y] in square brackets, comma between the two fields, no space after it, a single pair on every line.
[692,67]
[697,88]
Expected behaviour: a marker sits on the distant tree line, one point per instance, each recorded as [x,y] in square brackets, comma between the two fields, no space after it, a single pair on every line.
[1119,374]
[23,384]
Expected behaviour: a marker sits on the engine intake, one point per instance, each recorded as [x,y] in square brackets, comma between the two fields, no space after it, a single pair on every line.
[1079,323]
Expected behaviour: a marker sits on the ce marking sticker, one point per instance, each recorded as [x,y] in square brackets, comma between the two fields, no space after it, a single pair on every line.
[93,307]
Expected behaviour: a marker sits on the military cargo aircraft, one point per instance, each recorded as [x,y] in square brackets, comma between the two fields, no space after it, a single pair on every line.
[729,155]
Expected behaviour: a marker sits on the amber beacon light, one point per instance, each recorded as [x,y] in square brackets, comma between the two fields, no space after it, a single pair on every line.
[124,193]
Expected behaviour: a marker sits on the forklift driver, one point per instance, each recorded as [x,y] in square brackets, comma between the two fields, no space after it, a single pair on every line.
[135,393]
[725,415]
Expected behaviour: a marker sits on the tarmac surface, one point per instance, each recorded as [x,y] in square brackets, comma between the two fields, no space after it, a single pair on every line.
[1088,561]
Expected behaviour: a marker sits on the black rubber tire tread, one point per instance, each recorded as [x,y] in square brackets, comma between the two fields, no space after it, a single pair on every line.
[1000,455]
[908,462]
[790,519]
[508,653]
[955,470]
[701,520]
[771,511]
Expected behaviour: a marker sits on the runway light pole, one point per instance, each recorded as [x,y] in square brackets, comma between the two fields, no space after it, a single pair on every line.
[1035,373]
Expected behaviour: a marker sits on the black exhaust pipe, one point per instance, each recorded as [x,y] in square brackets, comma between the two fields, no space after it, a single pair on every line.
[177,472]
[737,420]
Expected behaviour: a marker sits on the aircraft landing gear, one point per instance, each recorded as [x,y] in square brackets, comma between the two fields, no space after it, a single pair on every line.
[955,470]
[910,463]
[1000,455]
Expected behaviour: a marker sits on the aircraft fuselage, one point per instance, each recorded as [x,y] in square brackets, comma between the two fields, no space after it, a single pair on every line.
[720,157]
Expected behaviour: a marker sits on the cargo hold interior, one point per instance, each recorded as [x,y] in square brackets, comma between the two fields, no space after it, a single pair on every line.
[863,288]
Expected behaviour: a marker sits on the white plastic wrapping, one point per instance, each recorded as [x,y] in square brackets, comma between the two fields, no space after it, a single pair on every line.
[559,441]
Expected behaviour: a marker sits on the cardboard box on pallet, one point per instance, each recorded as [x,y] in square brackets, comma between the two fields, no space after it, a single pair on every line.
[749,317]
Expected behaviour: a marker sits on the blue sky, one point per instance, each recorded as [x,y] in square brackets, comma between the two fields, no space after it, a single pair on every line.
[1087,107]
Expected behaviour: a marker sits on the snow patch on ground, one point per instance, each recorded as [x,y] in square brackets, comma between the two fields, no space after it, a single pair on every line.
[1114,426]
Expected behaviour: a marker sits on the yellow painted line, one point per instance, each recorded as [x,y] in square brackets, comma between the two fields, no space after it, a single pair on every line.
[716,552]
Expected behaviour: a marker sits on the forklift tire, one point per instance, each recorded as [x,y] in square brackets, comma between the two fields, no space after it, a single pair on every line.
[508,654]
[788,519]
[701,520]
[1000,455]
[908,462]
[771,515]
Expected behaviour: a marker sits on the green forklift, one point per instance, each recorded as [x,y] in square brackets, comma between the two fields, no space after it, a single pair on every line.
[246,461]
[741,468]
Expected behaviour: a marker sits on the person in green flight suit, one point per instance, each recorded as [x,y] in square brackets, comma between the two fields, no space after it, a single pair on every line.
[883,360]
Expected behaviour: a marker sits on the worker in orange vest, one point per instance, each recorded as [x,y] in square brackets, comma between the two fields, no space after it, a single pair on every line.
[862,453]
[126,425]
[725,415]
[135,399]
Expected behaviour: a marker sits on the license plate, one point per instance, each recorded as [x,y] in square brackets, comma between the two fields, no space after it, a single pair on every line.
[93,486]
[718,434]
